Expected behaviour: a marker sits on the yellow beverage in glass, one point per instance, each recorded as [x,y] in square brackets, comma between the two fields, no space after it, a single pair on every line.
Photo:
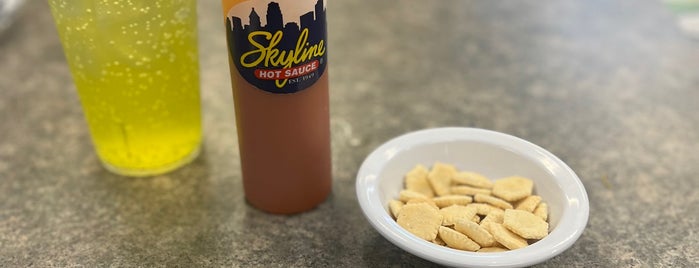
[135,66]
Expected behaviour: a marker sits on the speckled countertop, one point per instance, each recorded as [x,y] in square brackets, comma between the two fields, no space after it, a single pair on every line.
[611,87]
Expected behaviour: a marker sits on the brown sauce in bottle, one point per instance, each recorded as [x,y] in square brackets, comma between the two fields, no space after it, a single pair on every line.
[278,64]
[284,144]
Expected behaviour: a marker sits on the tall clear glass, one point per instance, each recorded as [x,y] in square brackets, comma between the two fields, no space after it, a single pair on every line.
[135,66]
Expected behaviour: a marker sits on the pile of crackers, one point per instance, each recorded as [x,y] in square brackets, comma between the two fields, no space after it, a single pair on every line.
[467,211]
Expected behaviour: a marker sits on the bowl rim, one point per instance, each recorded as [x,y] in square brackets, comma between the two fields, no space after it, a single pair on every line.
[569,228]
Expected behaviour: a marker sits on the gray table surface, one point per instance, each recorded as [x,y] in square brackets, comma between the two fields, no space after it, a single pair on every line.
[611,87]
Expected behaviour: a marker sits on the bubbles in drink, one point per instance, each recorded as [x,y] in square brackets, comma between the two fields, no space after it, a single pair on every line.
[135,66]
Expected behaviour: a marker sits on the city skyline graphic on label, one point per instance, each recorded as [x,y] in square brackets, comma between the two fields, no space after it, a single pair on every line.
[278,46]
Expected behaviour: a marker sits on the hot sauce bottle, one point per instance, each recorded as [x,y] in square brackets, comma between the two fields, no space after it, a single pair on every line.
[279,74]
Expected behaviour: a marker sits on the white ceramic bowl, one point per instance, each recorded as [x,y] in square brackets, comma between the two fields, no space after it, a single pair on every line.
[493,154]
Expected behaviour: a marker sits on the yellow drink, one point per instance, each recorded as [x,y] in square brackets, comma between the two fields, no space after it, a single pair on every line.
[135,66]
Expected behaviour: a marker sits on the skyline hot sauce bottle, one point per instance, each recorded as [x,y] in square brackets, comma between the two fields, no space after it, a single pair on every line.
[278,65]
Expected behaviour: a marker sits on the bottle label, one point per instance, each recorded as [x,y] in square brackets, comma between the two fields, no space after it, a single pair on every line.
[279,46]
